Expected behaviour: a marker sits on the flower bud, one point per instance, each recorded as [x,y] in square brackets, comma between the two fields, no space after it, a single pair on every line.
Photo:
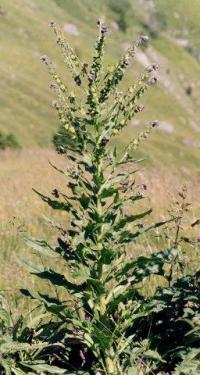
[122,123]
[102,27]
[63,121]
[139,108]
[53,87]
[154,123]
[144,38]
[152,67]
[55,105]
[71,130]
[45,59]
[62,87]
[52,24]
[115,131]
[118,94]
[152,81]
[104,141]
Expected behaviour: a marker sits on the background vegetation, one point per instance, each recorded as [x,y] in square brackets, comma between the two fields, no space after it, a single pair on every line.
[25,36]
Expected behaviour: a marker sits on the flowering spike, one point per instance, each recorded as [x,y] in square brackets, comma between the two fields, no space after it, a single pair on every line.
[95,70]
[70,58]
[117,74]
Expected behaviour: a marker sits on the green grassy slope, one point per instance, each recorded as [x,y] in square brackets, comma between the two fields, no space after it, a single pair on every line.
[25,98]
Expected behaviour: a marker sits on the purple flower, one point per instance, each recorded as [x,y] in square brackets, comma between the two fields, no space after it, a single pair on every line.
[198,238]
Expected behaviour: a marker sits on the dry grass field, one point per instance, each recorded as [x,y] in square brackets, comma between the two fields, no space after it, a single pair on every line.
[22,211]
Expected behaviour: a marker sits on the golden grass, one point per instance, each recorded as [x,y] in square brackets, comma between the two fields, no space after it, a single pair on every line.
[20,172]
[23,170]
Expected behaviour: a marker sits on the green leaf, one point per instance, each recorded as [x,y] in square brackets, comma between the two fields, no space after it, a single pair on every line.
[190,363]
[77,373]
[152,354]
[54,277]
[10,346]
[41,246]
[55,204]
[52,304]
[6,365]
[5,317]
[84,201]
[131,218]
[31,267]
[81,273]
[146,265]
[44,367]
[133,371]
[107,192]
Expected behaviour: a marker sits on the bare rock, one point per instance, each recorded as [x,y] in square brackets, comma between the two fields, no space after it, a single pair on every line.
[71,29]
[166,127]
[190,142]
[2,11]
[183,43]
[114,25]
[142,58]
[135,122]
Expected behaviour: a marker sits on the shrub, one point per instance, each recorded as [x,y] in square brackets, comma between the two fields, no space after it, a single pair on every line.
[155,24]
[121,9]
[175,325]
[8,141]
[22,348]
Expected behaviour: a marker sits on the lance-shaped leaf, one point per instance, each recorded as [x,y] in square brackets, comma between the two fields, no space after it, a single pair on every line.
[10,346]
[144,266]
[42,247]
[5,317]
[130,219]
[54,277]
[40,366]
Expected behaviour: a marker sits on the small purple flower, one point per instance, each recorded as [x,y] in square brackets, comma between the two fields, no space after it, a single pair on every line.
[198,238]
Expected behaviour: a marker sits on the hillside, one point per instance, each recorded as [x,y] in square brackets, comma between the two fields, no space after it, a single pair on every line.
[173,27]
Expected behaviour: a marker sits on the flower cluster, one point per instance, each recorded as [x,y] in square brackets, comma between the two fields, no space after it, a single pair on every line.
[79,114]
[70,58]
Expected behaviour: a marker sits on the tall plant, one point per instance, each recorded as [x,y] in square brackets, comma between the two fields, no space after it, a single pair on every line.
[96,301]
